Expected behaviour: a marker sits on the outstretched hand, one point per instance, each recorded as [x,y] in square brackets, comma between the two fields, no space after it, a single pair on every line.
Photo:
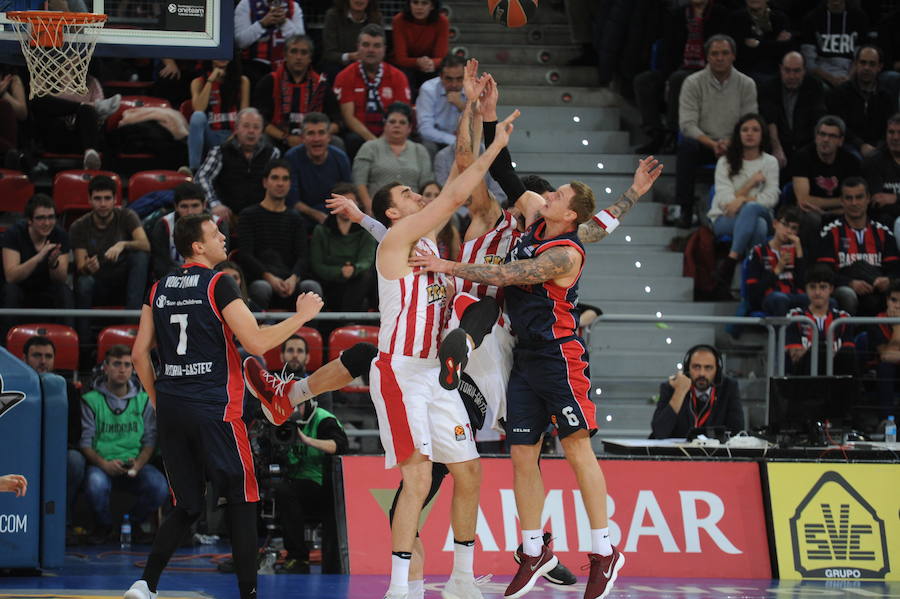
[648,171]
[344,206]
[505,129]
[309,305]
[487,103]
[423,263]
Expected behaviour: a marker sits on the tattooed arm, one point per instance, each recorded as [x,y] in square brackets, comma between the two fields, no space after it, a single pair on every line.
[556,263]
[592,232]
[648,171]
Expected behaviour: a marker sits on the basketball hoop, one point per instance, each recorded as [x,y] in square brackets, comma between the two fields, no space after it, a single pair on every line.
[58,47]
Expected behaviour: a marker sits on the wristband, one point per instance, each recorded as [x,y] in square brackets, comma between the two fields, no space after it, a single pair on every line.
[606,221]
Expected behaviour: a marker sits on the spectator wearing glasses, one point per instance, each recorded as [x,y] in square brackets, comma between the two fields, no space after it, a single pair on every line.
[118,439]
[776,270]
[36,259]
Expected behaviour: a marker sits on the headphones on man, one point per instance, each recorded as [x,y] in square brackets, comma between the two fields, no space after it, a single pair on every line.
[686,361]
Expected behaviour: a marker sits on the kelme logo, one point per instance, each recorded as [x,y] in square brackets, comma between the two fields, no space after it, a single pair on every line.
[837,534]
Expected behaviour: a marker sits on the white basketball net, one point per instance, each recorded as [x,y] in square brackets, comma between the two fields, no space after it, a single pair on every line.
[60,67]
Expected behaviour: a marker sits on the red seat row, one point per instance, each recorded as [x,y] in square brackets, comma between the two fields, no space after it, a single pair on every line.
[66,341]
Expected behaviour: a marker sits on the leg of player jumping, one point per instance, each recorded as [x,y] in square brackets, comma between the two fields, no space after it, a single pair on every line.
[581,458]
[336,374]
[463,518]
[417,571]
[476,321]
[529,490]
[416,473]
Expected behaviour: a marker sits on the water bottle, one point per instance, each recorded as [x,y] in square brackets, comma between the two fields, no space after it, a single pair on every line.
[890,430]
[125,534]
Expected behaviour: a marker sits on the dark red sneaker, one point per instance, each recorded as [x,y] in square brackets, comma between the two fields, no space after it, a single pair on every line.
[530,569]
[453,356]
[270,389]
[604,570]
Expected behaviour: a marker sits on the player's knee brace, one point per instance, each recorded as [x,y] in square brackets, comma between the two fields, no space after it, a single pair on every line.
[358,358]
[479,319]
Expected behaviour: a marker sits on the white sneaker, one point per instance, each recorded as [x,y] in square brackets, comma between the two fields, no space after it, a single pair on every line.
[91,160]
[108,106]
[396,594]
[139,590]
[464,586]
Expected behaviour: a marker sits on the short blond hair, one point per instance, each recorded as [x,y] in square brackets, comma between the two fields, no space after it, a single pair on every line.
[582,203]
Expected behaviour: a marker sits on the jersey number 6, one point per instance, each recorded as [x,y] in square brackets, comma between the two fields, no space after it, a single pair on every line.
[567,411]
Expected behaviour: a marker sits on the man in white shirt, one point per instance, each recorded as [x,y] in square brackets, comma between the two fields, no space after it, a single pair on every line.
[440,102]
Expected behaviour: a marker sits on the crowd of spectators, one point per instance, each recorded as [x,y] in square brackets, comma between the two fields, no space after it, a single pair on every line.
[792,105]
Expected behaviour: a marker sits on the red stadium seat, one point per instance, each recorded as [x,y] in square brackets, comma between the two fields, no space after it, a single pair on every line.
[314,342]
[346,337]
[121,334]
[70,190]
[15,190]
[186,109]
[134,102]
[64,338]
[144,182]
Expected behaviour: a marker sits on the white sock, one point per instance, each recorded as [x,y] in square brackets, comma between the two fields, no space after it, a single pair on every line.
[463,558]
[300,391]
[400,573]
[532,541]
[600,541]
[416,589]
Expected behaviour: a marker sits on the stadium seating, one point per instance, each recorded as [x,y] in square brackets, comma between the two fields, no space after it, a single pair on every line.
[146,181]
[347,336]
[314,343]
[64,338]
[134,102]
[15,190]
[70,192]
[121,334]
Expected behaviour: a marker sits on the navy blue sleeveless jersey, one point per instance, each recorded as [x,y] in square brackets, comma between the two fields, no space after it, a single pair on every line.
[199,361]
[543,313]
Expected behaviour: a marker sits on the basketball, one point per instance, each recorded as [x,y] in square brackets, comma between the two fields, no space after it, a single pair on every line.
[512,13]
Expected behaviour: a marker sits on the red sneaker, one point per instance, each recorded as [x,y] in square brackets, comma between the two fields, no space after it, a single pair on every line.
[530,569]
[270,389]
[604,570]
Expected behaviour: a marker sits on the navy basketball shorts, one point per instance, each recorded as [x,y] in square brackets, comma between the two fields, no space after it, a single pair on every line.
[549,385]
[197,446]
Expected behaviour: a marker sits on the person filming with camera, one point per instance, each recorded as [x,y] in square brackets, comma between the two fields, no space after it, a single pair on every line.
[699,395]
[306,492]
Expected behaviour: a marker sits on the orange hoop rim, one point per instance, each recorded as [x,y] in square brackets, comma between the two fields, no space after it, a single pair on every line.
[56,17]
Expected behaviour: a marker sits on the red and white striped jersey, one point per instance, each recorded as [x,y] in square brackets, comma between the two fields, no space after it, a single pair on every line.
[490,248]
[413,310]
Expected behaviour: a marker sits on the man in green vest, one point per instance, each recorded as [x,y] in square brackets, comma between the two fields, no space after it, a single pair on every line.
[118,439]
[306,493]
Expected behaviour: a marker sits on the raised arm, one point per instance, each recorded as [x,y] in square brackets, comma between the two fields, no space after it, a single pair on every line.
[407,231]
[648,171]
[555,263]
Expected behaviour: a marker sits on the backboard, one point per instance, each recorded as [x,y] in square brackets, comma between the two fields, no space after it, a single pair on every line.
[201,29]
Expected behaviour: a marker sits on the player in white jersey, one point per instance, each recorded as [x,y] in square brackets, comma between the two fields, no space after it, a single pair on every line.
[413,410]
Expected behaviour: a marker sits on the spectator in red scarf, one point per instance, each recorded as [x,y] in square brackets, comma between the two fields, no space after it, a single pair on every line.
[216,98]
[421,35]
[292,91]
[260,28]
[366,87]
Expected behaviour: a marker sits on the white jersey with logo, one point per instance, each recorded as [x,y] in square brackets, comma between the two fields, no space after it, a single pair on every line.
[413,310]
[489,248]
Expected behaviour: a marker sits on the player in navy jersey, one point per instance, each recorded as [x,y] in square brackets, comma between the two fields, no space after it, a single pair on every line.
[192,316]
[550,380]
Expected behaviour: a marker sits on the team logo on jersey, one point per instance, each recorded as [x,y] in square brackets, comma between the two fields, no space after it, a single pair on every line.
[436,292]
[9,399]
[493,259]
[161,301]
[460,432]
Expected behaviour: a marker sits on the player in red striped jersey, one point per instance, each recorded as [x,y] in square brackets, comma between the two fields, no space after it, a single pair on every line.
[418,420]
